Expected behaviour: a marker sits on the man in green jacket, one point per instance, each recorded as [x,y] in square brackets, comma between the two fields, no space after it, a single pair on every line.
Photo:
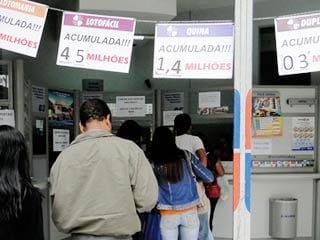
[101,181]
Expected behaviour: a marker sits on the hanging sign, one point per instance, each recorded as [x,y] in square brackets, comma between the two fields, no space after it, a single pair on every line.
[298,44]
[96,42]
[21,26]
[193,50]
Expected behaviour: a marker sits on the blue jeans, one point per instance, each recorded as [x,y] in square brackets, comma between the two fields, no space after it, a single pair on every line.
[184,226]
[204,230]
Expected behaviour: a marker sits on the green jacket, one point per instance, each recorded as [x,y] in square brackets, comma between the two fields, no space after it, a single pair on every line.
[99,183]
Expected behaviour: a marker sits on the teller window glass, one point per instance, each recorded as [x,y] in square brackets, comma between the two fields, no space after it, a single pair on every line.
[4,82]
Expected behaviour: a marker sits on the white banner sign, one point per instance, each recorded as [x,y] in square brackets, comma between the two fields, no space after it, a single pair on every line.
[130,106]
[298,44]
[96,42]
[21,26]
[193,50]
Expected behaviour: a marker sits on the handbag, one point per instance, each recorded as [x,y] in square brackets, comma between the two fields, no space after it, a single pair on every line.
[152,226]
[213,190]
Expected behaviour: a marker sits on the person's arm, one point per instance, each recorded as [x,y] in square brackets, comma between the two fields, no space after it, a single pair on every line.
[202,155]
[200,151]
[144,185]
[219,168]
[200,171]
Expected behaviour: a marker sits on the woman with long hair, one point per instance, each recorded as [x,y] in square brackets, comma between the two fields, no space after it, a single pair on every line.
[178,197]
[20,201]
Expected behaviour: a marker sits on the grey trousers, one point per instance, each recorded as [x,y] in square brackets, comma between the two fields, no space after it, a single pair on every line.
[92,237]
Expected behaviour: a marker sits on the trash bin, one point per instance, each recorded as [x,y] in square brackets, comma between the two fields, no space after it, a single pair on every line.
[283,217]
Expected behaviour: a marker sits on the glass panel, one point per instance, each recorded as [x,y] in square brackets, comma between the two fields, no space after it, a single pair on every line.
[4,82]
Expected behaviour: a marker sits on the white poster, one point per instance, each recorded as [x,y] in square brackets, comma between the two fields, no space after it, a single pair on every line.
[193,50]
[96,42]
[261,146]
[39,100]
[303,133]
[169,116]
[7,117]
[297,41]
[130,106]
[209,99]
[61,139]
[21,26]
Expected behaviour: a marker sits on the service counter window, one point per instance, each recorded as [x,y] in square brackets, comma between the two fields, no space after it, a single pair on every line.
[211,111]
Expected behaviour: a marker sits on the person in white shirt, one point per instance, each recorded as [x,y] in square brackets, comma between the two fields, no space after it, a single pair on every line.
[184,140]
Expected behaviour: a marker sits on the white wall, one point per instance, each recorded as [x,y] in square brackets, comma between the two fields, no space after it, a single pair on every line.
[264,187]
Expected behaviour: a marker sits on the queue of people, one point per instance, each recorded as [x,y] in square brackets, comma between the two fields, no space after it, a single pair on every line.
[101,184]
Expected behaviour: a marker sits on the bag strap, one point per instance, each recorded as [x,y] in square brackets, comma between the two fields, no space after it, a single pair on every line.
[188,158]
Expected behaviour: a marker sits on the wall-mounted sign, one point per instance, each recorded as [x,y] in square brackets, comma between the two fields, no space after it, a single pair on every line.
[303,133]
[39,101]
[169,116]
[7,117]
[92,85]
[130,106]
[61,139]
[209,99]
[173,101]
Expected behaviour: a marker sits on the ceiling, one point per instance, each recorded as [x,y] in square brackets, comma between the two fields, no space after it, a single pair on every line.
[195,5]
[182,5]
[146,20]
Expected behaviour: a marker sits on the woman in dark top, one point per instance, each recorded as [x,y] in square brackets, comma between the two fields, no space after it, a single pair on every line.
[20,201]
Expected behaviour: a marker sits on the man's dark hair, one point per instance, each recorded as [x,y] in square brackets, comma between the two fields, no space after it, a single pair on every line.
[93,109]
[131,130]
[182,123]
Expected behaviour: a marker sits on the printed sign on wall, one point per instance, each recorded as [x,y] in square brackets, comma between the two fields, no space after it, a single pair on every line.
[39,100]
[130,106]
